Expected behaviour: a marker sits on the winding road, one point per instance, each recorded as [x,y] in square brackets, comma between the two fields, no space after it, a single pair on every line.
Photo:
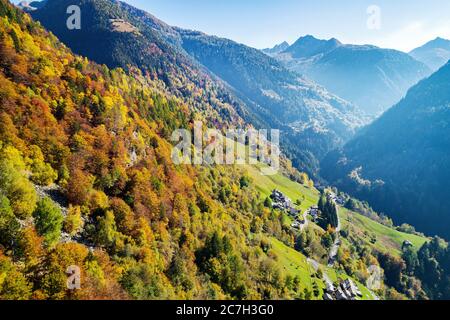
[305,218]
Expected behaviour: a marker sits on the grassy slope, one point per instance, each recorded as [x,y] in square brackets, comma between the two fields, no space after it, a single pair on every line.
[388,239]
[266,184]
[294,190]
[294,262]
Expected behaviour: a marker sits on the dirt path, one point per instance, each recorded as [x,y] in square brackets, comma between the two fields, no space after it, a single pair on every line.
[305,218]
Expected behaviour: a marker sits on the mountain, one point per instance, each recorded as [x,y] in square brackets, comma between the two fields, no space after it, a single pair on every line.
[87,180]
[400,162]
[313,119]
[276,49]
[434,54]
[370,77]
[251,85]
[28,6]
[109,27]
[284,96]
[308,46]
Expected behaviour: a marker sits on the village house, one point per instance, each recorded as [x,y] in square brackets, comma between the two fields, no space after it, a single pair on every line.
[406,245]
[299,223]
[282,202]
[346,290]
[314,213]
[327,297]
[330,287]
[336,199]
[296,225]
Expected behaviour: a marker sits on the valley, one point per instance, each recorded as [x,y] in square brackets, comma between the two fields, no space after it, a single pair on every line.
[357,210]
[372,78]
[388,239]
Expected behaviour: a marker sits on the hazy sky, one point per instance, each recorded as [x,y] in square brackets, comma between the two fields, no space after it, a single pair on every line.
[405,24]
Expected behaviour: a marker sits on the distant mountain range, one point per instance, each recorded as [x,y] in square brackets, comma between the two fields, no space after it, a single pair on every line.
[283,95]
[400,163]
[276,49]
[29,6]
[434,54]
[308,47]
[370,77]
[240,81]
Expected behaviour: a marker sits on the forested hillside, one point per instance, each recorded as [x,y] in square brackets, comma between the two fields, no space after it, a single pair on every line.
[110,35]
[313,119]
[86,179]
[251,86]
[400,162]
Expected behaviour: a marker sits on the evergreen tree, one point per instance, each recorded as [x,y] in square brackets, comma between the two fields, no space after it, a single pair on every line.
[329,213]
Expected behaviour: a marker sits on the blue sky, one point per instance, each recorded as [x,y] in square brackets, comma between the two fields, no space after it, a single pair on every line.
[405,24]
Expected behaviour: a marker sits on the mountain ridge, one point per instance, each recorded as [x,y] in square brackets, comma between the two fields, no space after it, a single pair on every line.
[435,53]
[276,49]
[332,120]
[399,162]
[305,108]
[309,46]
[370,77]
